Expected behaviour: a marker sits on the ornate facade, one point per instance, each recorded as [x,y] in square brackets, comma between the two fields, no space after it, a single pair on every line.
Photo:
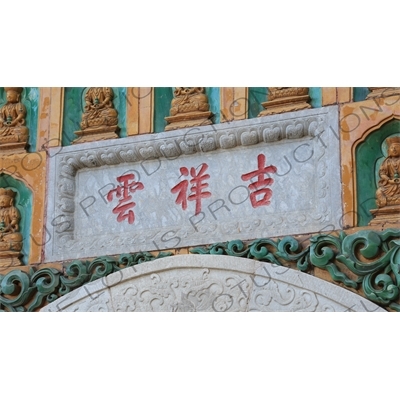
[199,199]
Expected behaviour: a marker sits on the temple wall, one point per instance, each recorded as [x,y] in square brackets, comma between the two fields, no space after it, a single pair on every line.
[245,165]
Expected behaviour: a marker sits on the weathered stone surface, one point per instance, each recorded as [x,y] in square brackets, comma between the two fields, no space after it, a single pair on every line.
[306,195]
[210,283]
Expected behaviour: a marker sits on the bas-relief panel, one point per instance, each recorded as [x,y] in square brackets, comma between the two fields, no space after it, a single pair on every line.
[210,284]
[130,194]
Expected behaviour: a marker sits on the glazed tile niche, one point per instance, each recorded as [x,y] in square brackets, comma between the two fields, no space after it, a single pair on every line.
[15,222]
[14,133]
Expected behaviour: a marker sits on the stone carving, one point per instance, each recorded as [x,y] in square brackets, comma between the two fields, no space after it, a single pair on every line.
[100,119]
[70,161]
[285,99]
[28,291]
[13,132]
[189,107]
[388,193]
[211,283]
[367,254]
[99,303]
[389,172]
[354,260]
[382,92]
[10,237]
[181,291]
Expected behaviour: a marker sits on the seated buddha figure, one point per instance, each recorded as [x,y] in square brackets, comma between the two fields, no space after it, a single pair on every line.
[99,109]
[12,117]
[10,238]
[189,99]
[388,193]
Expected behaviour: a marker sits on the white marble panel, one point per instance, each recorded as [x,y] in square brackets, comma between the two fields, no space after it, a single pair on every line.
[306,194]
[210,283]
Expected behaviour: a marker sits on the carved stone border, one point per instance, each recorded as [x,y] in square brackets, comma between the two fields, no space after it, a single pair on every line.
[66,161]
[173,283]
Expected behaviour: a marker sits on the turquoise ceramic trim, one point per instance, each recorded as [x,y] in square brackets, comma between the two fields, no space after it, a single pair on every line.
[367,261]
[213,94]
[360,93]
[162,105]
[256,96]
[315,94]
[120,102]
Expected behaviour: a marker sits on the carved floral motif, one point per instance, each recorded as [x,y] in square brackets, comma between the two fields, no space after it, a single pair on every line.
[21,291]
[366,261]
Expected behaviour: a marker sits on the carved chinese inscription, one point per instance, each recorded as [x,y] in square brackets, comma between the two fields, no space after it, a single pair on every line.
[259,188]
[122,192]
[194,187]
[197,188]
[189,107]
[388,193]
[100,119]
[13,132]
[10,237]
[285,99]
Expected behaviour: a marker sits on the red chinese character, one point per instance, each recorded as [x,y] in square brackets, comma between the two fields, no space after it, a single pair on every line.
[258,187]
[196,189]
[122,191]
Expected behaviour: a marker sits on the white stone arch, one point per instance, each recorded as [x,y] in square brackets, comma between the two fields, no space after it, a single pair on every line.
[210,283]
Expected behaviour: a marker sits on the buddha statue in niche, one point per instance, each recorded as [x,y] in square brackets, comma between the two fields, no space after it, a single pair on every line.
[187,99]
[10,237]
[99,109]
[189,107]
[388,193]
[13,132]
[285,99]
[100,118]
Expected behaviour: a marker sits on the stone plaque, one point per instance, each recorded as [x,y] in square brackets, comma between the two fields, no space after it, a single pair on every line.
[264,177]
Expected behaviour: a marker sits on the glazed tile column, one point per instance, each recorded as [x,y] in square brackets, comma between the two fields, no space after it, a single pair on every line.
[233,103]
[23,175]
[139,110]
[50,117]
[335,95]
